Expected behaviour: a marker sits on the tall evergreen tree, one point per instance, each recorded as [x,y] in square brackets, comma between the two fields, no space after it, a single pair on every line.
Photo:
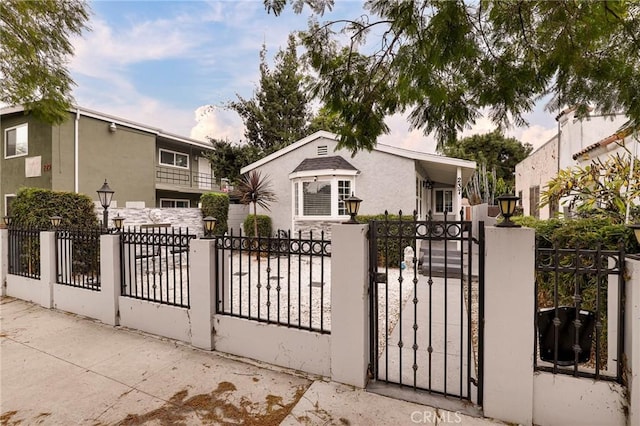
[277,114]
[35,49]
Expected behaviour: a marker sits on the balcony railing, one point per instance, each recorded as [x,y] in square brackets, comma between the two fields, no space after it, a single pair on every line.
[189,179]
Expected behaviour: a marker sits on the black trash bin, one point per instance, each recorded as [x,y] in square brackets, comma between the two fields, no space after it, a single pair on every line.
[566,334]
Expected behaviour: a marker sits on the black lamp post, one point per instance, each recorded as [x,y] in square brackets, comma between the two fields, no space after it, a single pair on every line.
[7,220]
[209,225]
[105,194]
[55,221]
[507,204]
[353,205]
[118,221]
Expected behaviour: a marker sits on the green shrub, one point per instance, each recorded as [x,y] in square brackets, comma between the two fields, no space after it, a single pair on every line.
[216,204]
[390,251]
[264,225]
[583,233]
[33,207]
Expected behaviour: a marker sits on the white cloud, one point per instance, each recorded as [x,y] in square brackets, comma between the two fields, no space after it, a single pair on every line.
[536,135]
[217,123]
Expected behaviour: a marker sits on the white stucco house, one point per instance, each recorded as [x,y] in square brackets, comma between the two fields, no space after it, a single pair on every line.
[311,178]
[577,142]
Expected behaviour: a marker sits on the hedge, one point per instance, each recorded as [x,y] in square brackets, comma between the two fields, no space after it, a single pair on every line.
[582,233]
[33,207]
[264,225]
[216,204]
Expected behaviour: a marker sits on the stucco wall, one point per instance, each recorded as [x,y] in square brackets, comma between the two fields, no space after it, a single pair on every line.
[126,158]
[12,170]
[578,134]
[536,170]
[385,182]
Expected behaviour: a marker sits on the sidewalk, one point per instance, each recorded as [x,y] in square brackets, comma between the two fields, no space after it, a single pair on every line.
[62,369]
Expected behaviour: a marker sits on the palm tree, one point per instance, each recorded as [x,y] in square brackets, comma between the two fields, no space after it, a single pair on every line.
[256,189]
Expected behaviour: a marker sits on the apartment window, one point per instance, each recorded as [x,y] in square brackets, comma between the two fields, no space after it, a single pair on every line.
[8,200]
[321,197]
[16,141]
[174,159]
[174,203]
[444,200]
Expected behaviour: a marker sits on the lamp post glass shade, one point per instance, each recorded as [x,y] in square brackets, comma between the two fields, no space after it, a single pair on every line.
[209,225]
[353,205]
[7,220]
[118,221]
[507,204]
[55,221]
[105,194]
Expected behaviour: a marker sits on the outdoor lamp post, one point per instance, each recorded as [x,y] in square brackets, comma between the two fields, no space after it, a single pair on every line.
[353,205]
[7,220]
[118,221]
[507,204]
[55,221]
[105,194]
[209,225]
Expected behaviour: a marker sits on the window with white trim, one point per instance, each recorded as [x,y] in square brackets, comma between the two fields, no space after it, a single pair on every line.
[174,159]
[321,197]
[444,200]
[16,141]
[172,203]
[344,191]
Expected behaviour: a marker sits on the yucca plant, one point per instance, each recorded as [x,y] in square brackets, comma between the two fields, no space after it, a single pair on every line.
[256,189]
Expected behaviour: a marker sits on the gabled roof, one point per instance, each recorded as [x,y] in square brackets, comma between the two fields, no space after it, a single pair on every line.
[324,163]
[123,122]
[438,166]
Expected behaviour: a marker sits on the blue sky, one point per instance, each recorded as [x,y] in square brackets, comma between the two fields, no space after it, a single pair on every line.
[160,62]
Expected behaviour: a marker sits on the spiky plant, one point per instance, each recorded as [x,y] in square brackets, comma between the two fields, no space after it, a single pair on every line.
[256,189]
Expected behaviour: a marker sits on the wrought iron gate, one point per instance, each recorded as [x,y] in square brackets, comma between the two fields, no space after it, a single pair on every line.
[426,295]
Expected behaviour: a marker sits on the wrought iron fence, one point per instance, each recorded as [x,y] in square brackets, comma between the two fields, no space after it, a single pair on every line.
[155,265]
[24,252]
[580,311]
[280,280]
[78,257]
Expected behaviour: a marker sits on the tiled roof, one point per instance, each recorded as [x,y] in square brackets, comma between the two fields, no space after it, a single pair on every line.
[602,143]
[324,163]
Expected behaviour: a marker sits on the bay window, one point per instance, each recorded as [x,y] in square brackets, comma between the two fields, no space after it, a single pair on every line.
[321,196]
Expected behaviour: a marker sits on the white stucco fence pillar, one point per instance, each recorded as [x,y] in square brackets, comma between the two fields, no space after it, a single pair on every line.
[47,267]
[509,324]
[110,278]
[632,339]
[202,295]
[349,304]
[4,260]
